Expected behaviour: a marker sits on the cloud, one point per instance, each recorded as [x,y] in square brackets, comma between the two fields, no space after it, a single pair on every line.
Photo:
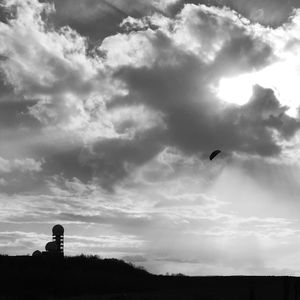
[51,68]
[119,110]
[134,259]
[201,125]
[113,142]
[99,19]
[21,165]
[272,13]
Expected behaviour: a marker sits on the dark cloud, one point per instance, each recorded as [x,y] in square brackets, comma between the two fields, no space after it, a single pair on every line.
[267,12]
[6,90]
[114,159]
[6,14]
[196,120]
[14,109]
[15,114]
[197,125]
[69,163]
[23,183]
[97,19]
[265,110]
[110,160]
[241,54]
[93,19]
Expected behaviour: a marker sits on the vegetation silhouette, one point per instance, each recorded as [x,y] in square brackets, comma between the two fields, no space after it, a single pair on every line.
[66,276]
[90,277]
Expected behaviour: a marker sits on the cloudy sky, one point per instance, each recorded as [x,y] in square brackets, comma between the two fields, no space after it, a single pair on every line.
[109,110]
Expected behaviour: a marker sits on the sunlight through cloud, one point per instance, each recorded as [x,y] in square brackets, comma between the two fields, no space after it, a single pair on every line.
[237,90]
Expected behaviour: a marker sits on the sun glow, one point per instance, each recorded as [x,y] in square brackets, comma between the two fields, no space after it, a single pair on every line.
[282,78]
[237,90]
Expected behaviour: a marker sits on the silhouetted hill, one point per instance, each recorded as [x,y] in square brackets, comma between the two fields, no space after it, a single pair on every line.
[27,275]
[89,277]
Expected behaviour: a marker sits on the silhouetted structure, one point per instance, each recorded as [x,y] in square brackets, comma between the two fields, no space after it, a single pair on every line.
[56,246]
[37,253]
[51,247]
[58,238]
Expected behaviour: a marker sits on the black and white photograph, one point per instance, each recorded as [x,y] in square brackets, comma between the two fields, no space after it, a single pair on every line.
[150,149]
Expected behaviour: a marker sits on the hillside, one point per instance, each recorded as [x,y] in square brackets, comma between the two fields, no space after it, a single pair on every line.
[81,277]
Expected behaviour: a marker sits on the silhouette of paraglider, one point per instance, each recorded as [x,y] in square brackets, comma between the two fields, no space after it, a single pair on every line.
[214,154]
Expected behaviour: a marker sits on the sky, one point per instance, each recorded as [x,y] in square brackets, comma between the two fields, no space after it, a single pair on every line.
[109,111]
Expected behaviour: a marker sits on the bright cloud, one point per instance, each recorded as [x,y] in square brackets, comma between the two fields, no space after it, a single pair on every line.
[282,77]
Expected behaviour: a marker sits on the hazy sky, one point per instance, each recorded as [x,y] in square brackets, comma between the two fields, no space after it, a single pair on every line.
[109,110]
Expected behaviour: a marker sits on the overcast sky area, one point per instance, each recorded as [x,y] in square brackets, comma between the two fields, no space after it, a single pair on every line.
[109,110]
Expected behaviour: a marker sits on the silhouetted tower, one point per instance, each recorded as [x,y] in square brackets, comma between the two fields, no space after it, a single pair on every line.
[58,238]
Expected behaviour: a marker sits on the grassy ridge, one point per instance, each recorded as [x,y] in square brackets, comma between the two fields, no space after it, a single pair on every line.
[25,277]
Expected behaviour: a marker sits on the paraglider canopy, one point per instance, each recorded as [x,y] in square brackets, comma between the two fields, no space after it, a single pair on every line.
[214,154]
